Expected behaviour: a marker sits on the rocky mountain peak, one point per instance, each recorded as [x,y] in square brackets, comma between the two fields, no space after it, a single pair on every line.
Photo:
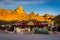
[19,9]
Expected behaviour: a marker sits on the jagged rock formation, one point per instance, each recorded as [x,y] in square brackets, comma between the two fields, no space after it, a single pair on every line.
[49,18]
[40,18]
[21,15]
[32,16]
[4,14]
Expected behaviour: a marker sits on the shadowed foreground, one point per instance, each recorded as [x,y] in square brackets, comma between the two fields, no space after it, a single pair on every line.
[12,36]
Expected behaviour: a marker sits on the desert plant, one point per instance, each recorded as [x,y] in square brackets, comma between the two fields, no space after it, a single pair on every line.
[40,31]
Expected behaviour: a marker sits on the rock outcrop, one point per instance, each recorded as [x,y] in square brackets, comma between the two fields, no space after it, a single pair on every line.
[21,15]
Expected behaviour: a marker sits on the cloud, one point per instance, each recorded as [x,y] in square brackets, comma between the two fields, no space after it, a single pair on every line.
[1,0]
[14,2]
[7,0]
[1,6]
[2,3]
[27,2]
[6,6]
[20,2]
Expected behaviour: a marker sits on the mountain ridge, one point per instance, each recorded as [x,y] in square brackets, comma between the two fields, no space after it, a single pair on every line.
[20,14]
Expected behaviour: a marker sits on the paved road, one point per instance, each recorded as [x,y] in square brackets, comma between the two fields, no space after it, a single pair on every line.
[12,36]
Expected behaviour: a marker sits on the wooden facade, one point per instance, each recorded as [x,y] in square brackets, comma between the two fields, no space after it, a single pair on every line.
[28,26]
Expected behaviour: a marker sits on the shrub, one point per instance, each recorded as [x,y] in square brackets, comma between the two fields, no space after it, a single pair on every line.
[40,31]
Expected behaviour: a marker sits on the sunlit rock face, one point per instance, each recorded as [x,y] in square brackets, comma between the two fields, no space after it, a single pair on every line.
[32,16]
[19,9]
[48,18]
[4,14]
[40,18]
[21,15]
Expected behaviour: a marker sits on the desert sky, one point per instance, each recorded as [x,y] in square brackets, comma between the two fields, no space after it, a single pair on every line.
[38,6]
